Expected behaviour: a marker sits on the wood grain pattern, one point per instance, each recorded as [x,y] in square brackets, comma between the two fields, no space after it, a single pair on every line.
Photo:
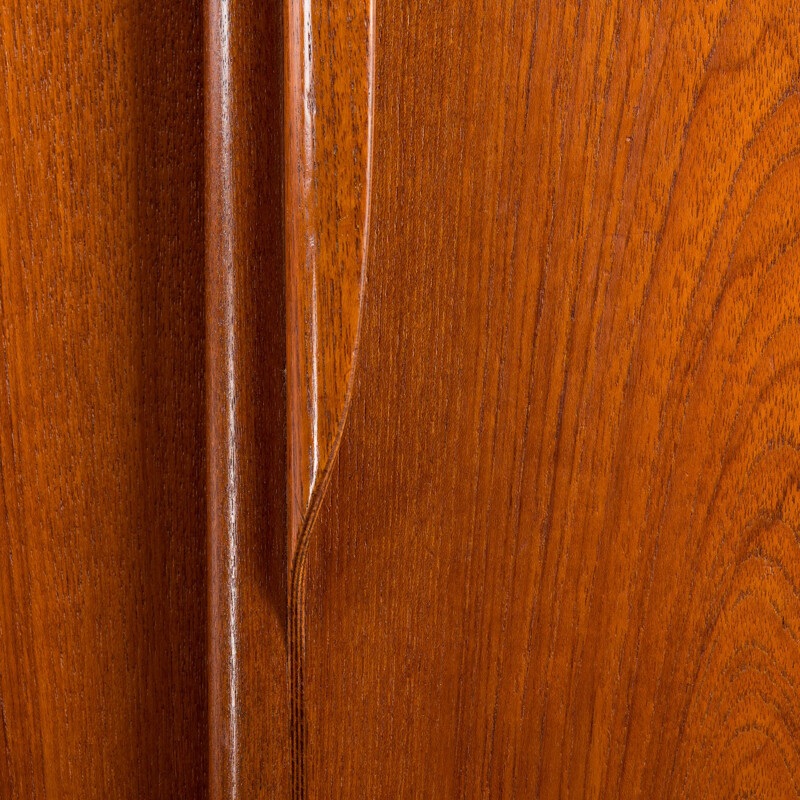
[329,51]
[558,555]
[102,502]
[249,741]
[469,469]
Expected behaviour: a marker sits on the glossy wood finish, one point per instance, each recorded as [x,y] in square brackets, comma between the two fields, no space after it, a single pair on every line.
[328,129]
[246,356]
[329,52]
[558,553]
[102,510]
[399,401]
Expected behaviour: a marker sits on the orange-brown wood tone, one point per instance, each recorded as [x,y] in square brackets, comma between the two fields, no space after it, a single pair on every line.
[558,553]
[249,737]
[329,69]
[399,400]
[102,501]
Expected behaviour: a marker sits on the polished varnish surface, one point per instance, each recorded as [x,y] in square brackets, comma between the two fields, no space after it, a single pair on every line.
[328,111]
[558,552]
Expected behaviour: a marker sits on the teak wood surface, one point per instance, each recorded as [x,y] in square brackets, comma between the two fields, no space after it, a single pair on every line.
[400,400]
[102,446]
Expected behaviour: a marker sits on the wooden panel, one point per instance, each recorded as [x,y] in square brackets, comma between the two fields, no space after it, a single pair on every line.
[558,552]
[528,372]
[102,511]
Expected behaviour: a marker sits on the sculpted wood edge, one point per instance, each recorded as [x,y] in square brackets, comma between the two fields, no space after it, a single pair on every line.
[220,364]
[329,68]
[298,74]
[327,122]
[248,689]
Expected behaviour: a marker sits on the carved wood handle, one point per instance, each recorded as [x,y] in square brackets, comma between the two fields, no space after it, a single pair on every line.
[329,52]
[286,219]
[328,128]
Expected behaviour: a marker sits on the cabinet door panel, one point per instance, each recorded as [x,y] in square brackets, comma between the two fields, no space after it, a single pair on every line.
[399,400]
[557,555]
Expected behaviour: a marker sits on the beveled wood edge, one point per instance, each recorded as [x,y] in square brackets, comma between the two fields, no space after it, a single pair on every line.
[297,565]
[327,144]
[221,477]
[247,578]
